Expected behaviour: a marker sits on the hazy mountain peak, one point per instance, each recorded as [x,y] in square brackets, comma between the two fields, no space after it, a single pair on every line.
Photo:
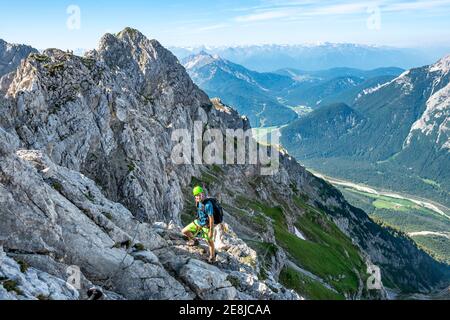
[442,65]
[199,60]
[11,55]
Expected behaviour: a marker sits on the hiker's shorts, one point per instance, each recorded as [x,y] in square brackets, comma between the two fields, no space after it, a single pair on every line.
[198,231]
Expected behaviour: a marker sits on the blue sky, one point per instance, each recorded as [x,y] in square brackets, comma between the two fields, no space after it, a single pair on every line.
[44,23]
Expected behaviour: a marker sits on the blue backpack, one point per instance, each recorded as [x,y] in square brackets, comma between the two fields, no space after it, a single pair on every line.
[217,209]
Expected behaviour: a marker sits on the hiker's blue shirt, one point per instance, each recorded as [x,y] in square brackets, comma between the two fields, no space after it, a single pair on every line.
[204,211]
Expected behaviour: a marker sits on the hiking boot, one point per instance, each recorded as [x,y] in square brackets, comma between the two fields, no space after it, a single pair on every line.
[192,243]
[212,260]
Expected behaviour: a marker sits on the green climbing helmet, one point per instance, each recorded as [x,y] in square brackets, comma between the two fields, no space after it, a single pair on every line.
[197,190]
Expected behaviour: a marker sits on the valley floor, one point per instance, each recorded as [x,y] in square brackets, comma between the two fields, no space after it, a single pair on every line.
[424,220]
[425,203]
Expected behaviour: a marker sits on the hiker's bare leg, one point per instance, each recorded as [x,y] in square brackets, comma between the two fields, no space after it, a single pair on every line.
[212,251]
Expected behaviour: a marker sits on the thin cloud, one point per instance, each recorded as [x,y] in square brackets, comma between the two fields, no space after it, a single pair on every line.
[212,27]
[418,5]
[291,10]
[263,16]
[295,12]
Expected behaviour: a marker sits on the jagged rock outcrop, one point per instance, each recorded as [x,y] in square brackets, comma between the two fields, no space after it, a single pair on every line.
[86,171]
[20,282]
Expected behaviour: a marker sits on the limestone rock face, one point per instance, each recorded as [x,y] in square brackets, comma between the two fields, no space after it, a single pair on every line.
[31,284]
[59,223]
[207,281]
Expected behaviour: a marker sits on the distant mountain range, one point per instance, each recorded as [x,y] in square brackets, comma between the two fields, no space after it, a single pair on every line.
[395,135]
[314,88]
[253,94]
[268,58]
[329,74]
[268,99]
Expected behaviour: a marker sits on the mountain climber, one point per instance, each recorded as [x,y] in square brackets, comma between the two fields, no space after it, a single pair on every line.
[203,226]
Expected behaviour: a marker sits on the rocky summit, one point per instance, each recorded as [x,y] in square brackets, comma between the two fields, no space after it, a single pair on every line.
[89,195]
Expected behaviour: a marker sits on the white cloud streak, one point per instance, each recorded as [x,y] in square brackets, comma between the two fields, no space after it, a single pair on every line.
[290,10]
[213,27]
[263,16]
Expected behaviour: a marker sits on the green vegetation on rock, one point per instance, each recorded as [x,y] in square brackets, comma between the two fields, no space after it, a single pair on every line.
[11,286]
[327,253]
[306,286]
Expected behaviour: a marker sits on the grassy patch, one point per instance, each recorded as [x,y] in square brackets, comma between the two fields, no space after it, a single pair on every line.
[54,68]
[276,213]
[385,202]
[265,252]
[57,186]
[436,246]
[131,167]
[206,180]
[12,286]
[89,196]
[40,57]
[126,244]
[108,215]
[139,247]
[235,282]
[334,267]
[209,178]
[432,183]
[217,169]
[306,286]
[255,221]
[390,205]
[23,266]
